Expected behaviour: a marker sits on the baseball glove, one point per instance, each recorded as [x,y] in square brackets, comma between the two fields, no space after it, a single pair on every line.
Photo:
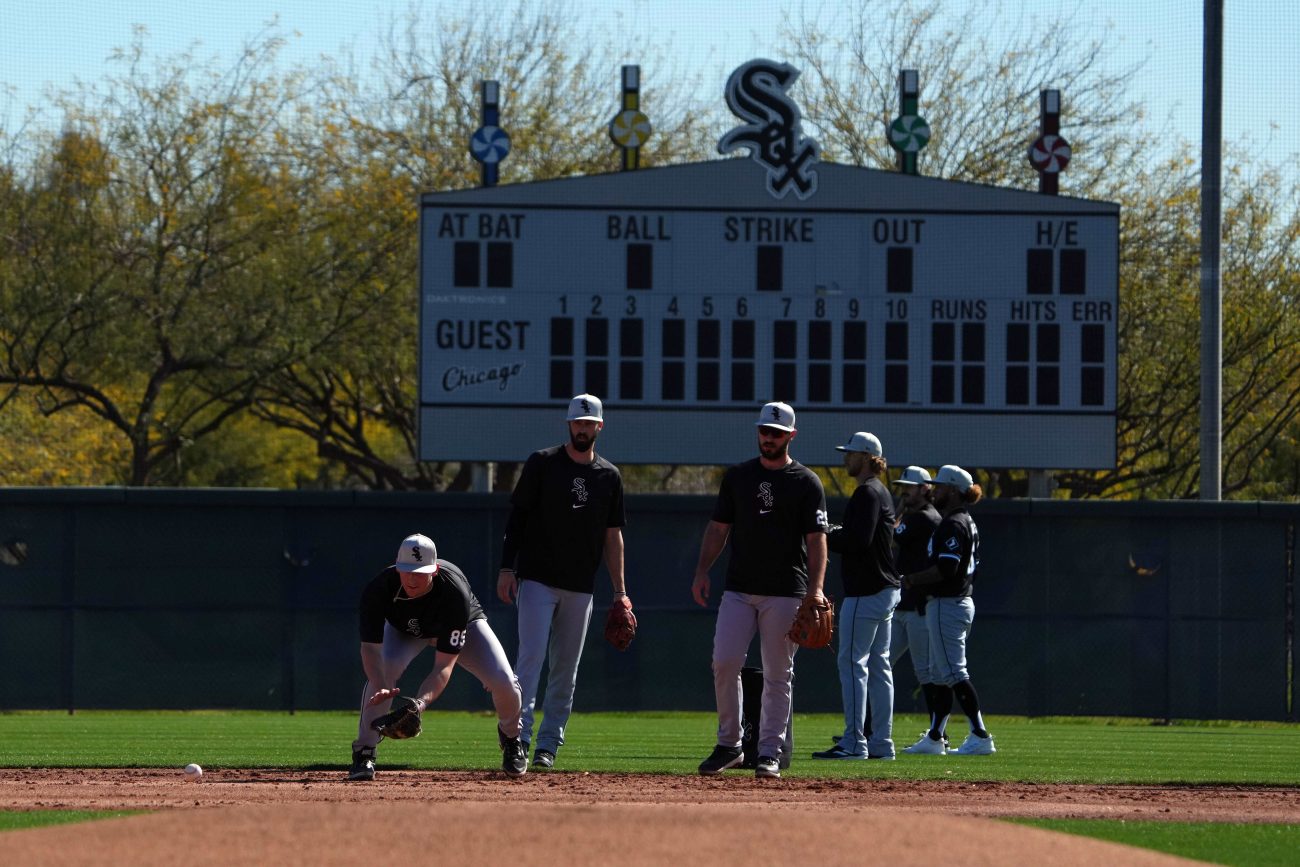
[401,722]
[620,623]
[814,622]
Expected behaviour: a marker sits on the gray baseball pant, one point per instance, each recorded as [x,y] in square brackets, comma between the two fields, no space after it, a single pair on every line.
[865,674]
[482,656]
[552,628]
[949,620]
[740,615]
[910,635]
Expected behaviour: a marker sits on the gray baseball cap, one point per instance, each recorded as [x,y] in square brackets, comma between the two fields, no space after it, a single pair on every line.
[951,474]
[417,554]
[914,476]
[866,443]
[585,407]
[777,415]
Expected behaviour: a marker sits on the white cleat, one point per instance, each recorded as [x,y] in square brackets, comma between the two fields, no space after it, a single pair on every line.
[974,745]
[926,747]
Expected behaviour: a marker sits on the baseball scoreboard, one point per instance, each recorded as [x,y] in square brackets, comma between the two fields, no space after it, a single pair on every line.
[960,323]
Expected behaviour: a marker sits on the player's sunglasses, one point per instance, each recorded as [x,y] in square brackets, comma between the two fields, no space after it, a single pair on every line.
[772,433]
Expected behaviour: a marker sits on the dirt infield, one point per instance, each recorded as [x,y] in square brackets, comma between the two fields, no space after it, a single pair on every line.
[314,817]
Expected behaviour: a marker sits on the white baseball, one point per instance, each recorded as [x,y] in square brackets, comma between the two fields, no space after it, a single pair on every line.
[193,772]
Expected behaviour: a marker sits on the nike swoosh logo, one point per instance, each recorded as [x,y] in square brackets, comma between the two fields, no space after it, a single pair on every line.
[764,511]
[583,506]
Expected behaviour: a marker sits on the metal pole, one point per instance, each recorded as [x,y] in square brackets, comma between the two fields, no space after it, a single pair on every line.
[1049,113]
[1049,184]
[1211,288]
[909,101]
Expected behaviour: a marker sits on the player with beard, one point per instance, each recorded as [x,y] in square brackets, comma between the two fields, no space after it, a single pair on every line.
[917,521]
[566,515]
[865,542]
[947,583]
[772,510]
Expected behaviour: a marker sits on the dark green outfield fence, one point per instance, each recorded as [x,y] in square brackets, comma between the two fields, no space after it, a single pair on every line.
[126,598]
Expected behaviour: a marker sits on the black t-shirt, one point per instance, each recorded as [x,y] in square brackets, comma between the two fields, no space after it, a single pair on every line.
[956,538]
[913,538]
[442,613]
[770,512]
[561,510]
[866,539]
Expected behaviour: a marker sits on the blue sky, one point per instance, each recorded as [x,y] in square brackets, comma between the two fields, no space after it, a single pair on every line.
[45,44]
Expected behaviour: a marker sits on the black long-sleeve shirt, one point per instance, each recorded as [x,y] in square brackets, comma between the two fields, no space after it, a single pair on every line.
[866,541]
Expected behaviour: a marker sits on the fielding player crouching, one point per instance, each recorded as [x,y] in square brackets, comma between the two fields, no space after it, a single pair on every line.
[417,602]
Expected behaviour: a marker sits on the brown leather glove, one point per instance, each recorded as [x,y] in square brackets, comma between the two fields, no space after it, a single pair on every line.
[814,622]
[620,623]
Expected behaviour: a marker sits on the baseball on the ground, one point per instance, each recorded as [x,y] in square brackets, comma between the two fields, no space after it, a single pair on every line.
[193,772]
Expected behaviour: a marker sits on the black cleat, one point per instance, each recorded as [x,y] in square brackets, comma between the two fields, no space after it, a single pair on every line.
[363,766]
[544,759]
[514,756]
[837,752]
[721,759]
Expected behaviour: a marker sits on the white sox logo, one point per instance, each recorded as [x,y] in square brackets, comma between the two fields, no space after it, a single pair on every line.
[579,492]
[756,92]
[765,494]
[413,626]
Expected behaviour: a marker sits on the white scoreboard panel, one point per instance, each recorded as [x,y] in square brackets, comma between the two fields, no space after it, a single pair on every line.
[960,323]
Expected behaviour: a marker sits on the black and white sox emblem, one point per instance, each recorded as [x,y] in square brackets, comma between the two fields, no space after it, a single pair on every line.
[579,492]
[756,93]
[765,494]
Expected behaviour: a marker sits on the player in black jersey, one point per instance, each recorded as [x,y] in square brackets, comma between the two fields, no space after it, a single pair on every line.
[917,521]
[865,542]
[949,611]
[566,515]
[773,511]
[417,602]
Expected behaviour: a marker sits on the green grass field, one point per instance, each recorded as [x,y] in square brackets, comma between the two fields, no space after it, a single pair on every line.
[1245,845]
[12,820]
[1057,750]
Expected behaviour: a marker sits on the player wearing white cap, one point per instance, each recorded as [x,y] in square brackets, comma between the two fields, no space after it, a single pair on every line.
[949,611]
[865,542]
[917,521]
[421,601]
[566,514]
[773,511]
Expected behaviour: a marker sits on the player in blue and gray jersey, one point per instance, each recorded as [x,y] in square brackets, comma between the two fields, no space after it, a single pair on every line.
[917,520]
[948,582]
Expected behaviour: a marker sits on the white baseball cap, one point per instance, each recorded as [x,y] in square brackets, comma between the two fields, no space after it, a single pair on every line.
[585,407]
[417,554]
[950,474]
[867,443]
[777,415]
[914,476]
